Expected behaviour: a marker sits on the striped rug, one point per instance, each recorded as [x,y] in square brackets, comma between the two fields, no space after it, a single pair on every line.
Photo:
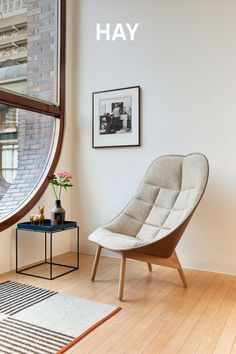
[39,321]
[15,297]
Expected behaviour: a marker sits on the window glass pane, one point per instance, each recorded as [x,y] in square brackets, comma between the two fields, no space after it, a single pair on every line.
[29,37]
[26,146]
[9,162]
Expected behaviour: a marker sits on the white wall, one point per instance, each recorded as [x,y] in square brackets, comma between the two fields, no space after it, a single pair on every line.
[31,248]
[183,57]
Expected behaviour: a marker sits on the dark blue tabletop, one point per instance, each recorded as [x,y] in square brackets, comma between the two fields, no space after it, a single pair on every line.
[46,226]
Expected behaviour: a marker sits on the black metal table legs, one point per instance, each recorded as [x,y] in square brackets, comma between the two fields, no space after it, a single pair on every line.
[49,261]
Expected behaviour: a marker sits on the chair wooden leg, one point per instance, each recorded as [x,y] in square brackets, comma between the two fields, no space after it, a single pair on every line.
[149,267]
[182,276]
[122,277]
[180,270]
[95,262]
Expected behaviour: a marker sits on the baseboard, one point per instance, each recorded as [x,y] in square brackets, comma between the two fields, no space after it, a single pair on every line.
[209,266]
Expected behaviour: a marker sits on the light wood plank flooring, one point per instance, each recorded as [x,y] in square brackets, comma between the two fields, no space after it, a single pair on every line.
[158,314]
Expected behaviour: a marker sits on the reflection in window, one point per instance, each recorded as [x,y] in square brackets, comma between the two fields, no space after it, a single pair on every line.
[8,146]
[29,48]
[9,162]
[26,142]
[29,53]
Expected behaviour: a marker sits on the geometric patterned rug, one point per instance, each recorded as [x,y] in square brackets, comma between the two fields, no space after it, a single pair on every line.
[40,321]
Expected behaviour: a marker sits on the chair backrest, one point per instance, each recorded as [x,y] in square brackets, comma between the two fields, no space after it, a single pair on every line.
[168,194]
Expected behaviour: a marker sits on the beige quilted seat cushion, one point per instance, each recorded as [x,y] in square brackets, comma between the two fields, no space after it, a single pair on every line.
[168,193]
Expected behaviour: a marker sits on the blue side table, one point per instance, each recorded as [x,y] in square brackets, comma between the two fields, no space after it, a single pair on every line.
[47,230]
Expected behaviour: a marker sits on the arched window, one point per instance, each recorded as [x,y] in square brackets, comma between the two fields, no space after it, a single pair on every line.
[32,101]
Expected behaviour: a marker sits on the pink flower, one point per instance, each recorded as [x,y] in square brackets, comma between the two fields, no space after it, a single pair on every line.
[65,174]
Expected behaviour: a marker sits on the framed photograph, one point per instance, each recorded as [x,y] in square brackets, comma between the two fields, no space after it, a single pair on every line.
[116,117]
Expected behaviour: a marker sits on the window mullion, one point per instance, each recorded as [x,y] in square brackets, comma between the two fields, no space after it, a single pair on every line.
[24,102]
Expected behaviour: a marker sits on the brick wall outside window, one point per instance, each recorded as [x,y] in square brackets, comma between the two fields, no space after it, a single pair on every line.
[35,131]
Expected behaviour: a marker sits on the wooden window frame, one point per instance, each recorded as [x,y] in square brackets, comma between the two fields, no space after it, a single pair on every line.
[34,105]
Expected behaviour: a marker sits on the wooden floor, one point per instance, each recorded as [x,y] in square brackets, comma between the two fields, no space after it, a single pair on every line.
[158,314]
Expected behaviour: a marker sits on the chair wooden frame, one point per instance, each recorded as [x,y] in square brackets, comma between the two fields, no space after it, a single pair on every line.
[171,262]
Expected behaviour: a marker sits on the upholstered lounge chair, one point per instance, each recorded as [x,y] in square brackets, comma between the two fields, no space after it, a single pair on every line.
[151,225]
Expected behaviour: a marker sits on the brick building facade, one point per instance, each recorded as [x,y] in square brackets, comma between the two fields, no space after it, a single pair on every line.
[35,131]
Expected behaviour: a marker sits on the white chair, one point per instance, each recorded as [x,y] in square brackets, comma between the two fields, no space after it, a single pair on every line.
[151,225]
